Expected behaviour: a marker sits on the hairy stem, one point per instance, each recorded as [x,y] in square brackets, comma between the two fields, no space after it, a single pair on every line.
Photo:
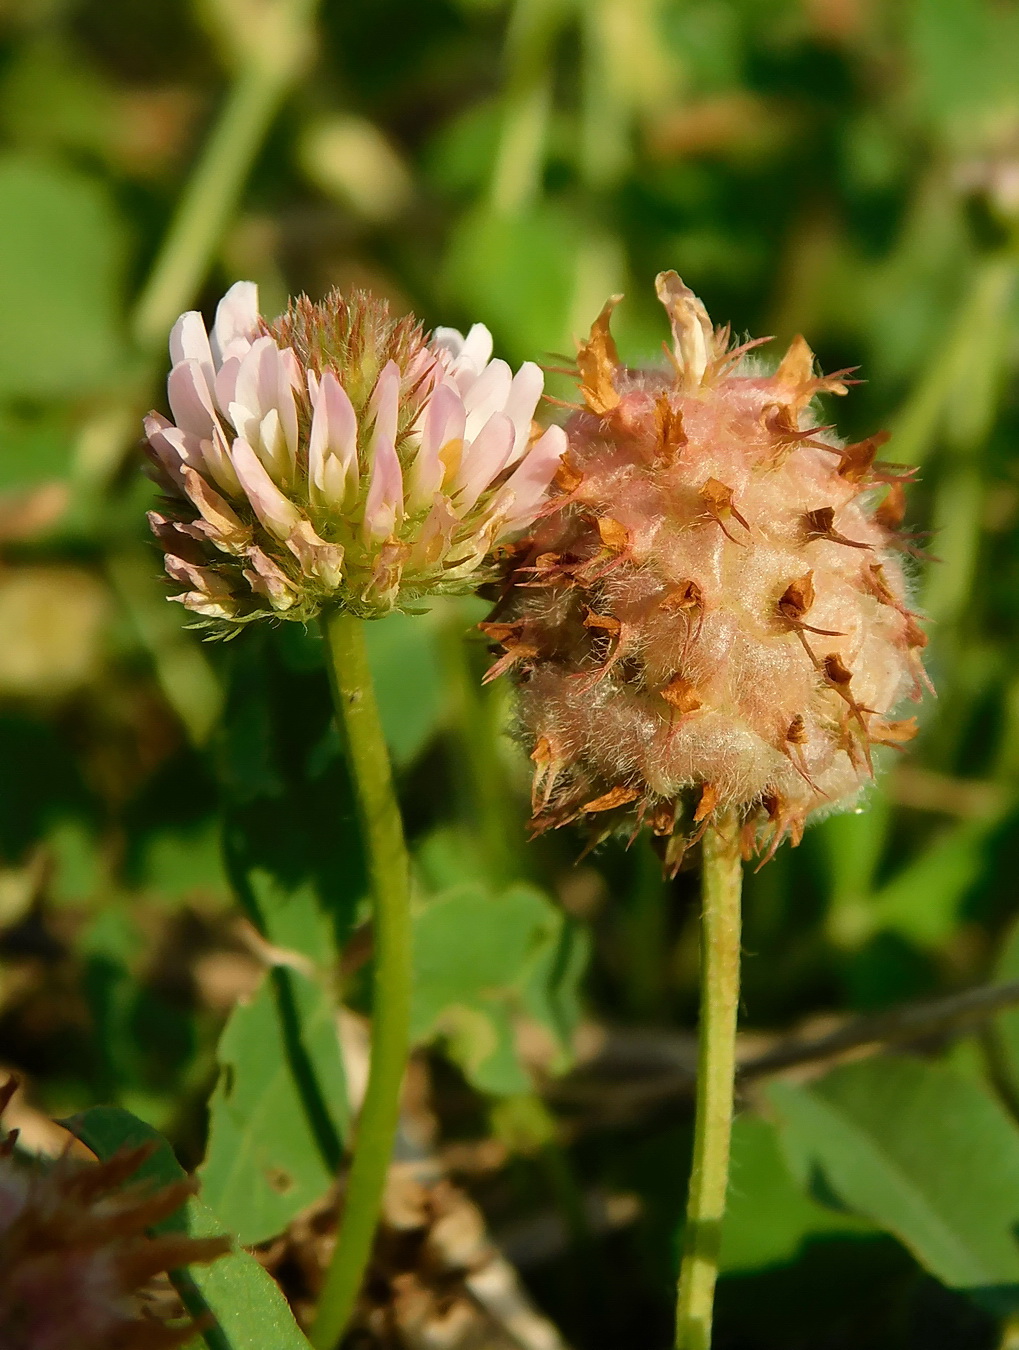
[716,1064]
[388,868]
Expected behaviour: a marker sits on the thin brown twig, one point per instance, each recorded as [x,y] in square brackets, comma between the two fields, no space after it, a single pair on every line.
[914,1021]
[633,1073]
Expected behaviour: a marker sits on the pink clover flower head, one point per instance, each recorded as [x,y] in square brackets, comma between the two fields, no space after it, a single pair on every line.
[337,456]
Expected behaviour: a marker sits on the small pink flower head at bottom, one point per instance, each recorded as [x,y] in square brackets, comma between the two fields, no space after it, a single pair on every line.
[713,612]
[75,1253]
[339,458]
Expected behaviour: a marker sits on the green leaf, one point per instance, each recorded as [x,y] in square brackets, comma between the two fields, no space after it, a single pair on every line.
[407,673]
[36,445]
[961,54]
[288,917]
[182,864]
[922,902]
[78,870]
[519,273]
[768,1216]
[1006,1024]
[250,1311]
[277,1116]
[922,1152]
[61,248]
[481,962]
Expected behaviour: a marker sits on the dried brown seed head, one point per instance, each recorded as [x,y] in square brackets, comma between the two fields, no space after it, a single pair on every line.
[758,641]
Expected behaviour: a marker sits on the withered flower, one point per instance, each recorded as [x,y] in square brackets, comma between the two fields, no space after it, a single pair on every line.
[75,1252]
[713,613]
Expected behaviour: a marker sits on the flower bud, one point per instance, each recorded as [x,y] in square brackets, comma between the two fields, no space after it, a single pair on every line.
[337,457]
[713,611]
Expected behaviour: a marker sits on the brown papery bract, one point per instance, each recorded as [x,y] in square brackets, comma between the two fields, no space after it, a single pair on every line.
[77,1251]
[715,609]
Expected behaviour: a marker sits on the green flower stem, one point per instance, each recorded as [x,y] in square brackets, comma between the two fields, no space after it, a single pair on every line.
[268,56]
[389,871]
[716,1064]
[270,59]
[527,101]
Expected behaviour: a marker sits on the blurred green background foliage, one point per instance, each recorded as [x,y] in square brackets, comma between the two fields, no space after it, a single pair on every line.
[848,169]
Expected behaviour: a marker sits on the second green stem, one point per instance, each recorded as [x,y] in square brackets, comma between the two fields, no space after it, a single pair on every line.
[389,872]
[721,887]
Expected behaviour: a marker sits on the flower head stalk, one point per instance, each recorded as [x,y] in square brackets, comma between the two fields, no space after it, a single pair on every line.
[713,614]
[336,457]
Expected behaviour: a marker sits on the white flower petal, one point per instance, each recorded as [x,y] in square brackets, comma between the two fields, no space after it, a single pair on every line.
[444,420]
[530,480]
[384,405]
[485,458]
[477,346]
[190,342]
[236,323]
[466,357]
[257,378]
[384,503]
[333,440]
[488,394]
[277,513]
[169,446]
[526,389]
[264,386]
[190,400]
[216,459]
[450,340]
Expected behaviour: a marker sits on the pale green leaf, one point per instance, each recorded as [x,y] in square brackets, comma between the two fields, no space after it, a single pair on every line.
[482,962]
[922,1152]
[406,669]
[769,1216]
[248,1310]
[278,1113]
[61,247]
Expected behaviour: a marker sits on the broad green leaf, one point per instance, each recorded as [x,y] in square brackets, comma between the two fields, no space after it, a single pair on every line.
[922,1152]
[78,868]
[406,669]
[249,1310]
[289,918]
[35,446]
[246,748]
[450,857]
[109,948]
[481,962]
[768,1215]
[176,866]
[143,1045]
[962,57]
[61,248]
[1006,1024]
[277,1116]
[922,901]
[405,657]
[519,272]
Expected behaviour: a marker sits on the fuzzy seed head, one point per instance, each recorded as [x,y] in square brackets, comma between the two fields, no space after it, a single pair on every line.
[338,457]
[713,612]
